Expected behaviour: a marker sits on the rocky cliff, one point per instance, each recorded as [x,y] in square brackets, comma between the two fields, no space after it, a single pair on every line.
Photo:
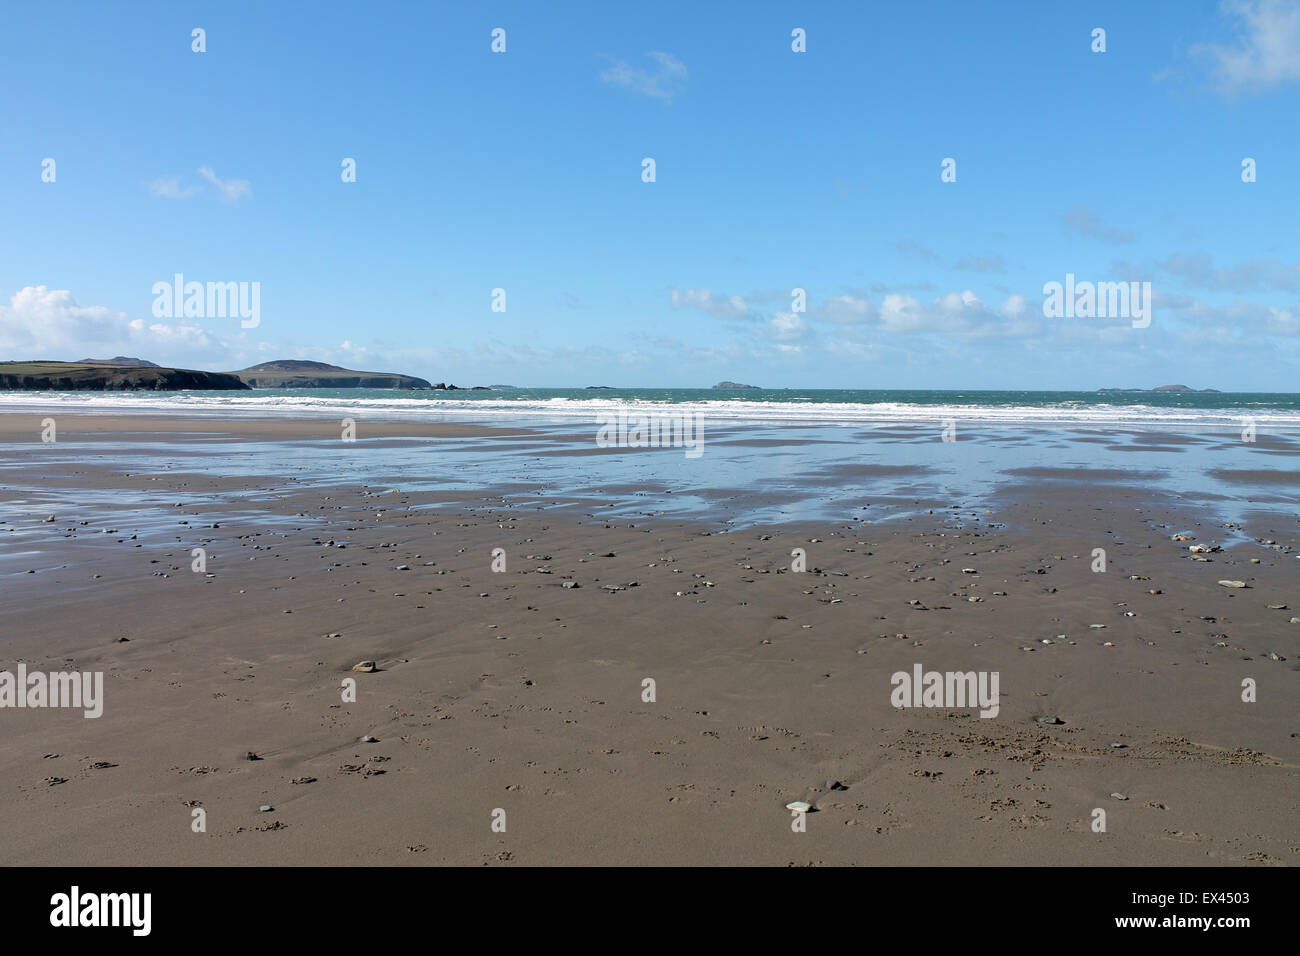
[296,373]
[80,377]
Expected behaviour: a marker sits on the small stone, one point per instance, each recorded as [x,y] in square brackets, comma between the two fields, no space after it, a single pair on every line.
[799,805]
[265,808]
[1118,746]
[835,785]
[1232,584]
[365,667]
[573,584]
[367,739]
[1119,796]
[1049,720]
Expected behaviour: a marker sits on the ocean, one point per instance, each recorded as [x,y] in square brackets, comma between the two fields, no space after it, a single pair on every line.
[850,407]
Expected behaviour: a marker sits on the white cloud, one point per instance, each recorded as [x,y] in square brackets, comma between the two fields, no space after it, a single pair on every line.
[1283,321]
[48,323]
[170,188]
[38,319]
[981,264]
[957,314]
[857,318]
[231,189]
[847,310]
[1266,51]
[1085,223]
[910,247]
[665,80]
[1198,271]
[720,306]
[785,328]
[350,348]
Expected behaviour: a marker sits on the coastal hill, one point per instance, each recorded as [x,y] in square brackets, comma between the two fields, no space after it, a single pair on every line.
[103,376]
[121,360]
[1159,388]
[735,385]
[294,373]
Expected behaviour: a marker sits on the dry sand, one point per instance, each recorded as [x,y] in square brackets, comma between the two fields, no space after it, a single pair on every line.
[508,691]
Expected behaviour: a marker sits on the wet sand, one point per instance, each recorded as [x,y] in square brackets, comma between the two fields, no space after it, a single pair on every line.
[509,691]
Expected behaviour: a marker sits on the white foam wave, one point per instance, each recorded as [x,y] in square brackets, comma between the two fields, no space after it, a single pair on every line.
[561,409]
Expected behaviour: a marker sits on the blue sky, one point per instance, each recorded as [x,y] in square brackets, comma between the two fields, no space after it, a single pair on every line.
[775,170]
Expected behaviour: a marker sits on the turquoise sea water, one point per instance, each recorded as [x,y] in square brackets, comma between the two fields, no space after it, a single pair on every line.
[772,406]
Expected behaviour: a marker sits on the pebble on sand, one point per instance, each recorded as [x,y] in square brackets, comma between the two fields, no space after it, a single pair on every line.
[365,667]
[799,805]
[1232,584]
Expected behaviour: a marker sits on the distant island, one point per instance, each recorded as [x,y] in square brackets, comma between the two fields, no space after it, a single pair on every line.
[297,373]
[734,385]
[1160,388]
[120,360]
[105,375]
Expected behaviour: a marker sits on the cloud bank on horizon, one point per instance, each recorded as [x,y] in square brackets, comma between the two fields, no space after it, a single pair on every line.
[834,198]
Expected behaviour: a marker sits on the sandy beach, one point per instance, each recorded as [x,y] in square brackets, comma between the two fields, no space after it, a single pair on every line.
[518,697]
